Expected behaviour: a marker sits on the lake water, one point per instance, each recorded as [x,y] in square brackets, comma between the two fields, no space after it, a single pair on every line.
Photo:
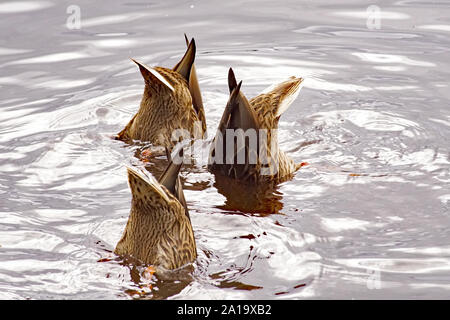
[368,217]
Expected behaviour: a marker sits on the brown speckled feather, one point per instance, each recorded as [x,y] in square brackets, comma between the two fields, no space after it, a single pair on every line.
[158,231]
[171,101]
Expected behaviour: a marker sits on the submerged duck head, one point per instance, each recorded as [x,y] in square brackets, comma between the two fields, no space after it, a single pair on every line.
[171,100]
[159,230]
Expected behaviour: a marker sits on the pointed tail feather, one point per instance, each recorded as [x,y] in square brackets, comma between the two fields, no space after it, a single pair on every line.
[238,114]
[171,180]
[141,186]
[242,115]
[286,92]
[231,80]
[184,66]
[194,87]
[149,73]
[169,176]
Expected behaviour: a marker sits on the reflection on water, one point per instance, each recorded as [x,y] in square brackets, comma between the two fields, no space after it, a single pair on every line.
[23,6]
[148,285]
[261,198]
[366,218]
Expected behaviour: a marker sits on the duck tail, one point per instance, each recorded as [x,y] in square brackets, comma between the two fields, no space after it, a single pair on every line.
[240,117]
[285,92]
[171,180]
[238,113]
[192,80]
[151,74]
[143,186]
[232,84]
[184,66]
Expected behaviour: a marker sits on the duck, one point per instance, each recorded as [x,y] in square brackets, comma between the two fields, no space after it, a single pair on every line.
[261,160]
[158,231]
[171,100]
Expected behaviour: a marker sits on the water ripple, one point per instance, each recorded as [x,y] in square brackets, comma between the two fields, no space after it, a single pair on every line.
[367,213]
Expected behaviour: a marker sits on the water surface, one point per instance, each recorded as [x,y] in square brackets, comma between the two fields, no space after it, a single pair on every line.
[368,217]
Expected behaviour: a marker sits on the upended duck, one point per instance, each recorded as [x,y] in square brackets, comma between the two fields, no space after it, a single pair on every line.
[171,100]
[159,230]
[235,155]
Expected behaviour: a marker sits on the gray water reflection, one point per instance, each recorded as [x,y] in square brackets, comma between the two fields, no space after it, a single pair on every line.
[367,217]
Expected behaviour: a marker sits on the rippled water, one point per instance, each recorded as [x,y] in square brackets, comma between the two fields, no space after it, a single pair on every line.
[368,217]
